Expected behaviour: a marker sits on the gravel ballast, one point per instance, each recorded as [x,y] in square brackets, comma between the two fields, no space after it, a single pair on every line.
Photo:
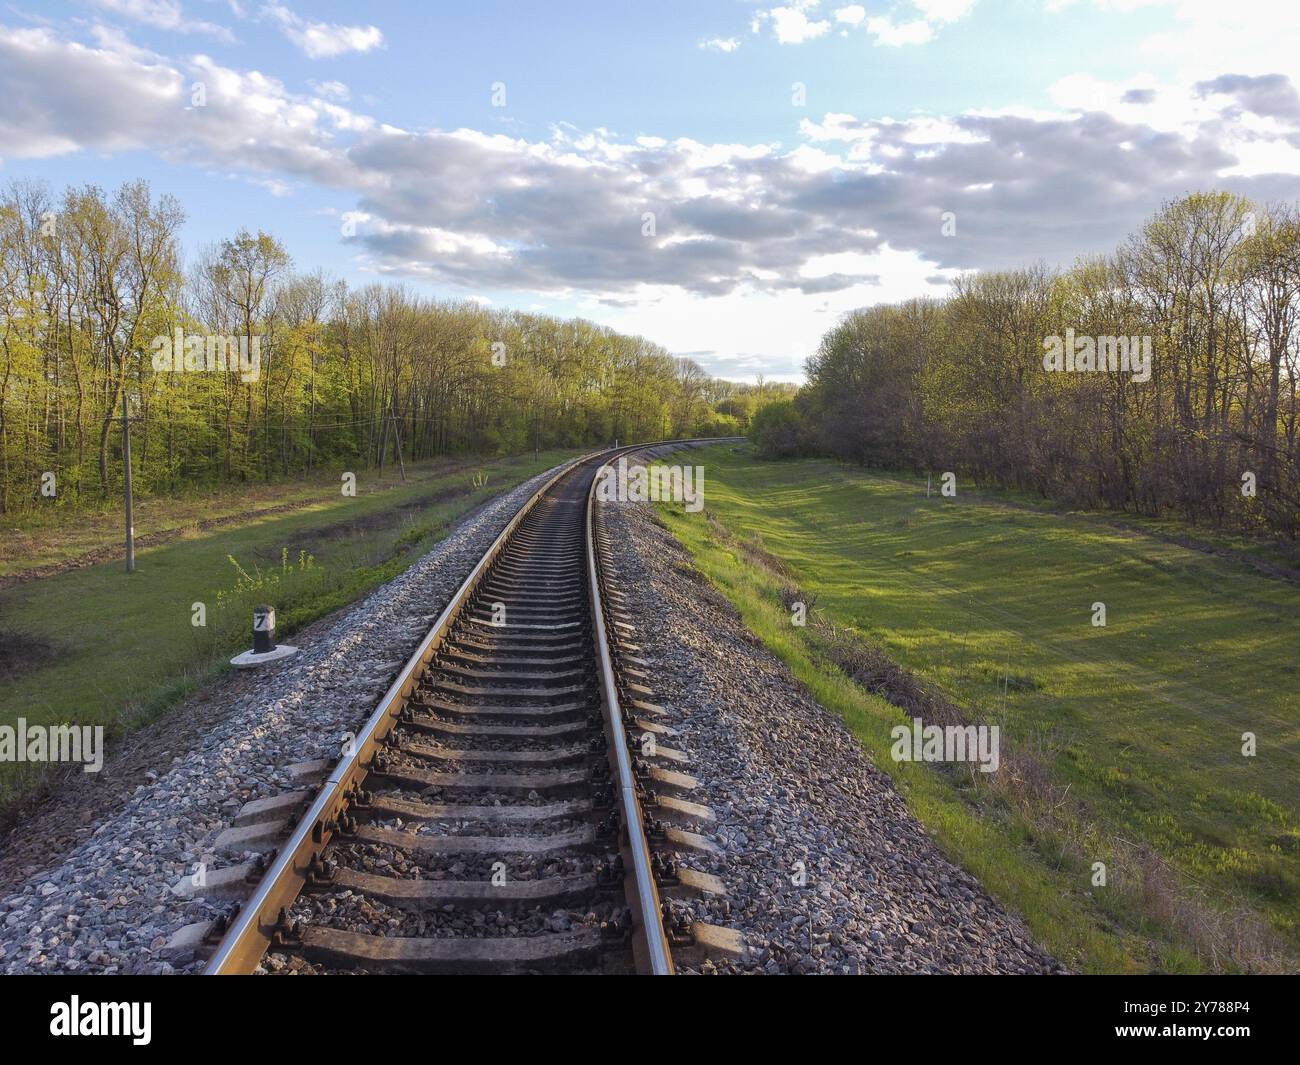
[796,798]
[107,905]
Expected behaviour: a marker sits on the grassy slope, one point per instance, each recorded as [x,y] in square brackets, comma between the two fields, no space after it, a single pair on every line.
[124,646]
[52,534]
[1142,719]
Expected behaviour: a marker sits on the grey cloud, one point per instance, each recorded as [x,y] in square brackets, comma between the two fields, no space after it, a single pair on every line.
[829,283]
[746,365]
[57,96]
[1060,188]
[485,212]
[1270,95]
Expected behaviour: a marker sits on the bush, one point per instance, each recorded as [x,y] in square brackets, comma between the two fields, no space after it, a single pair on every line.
[777,430]
[718,424]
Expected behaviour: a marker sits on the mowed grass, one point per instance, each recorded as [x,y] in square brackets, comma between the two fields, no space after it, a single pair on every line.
[116,650]
[1141,720]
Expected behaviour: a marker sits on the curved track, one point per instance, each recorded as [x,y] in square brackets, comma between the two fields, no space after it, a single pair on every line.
[488,818]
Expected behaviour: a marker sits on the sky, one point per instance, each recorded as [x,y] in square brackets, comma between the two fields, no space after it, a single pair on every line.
[726,178]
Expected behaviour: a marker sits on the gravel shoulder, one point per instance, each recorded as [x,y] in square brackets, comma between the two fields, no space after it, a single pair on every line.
[796,798]
[86,878]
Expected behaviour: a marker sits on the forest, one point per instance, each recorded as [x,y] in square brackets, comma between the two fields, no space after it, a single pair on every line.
[1208,432]
[101,312]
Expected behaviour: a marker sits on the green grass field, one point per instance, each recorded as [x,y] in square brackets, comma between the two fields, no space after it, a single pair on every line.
[1139,723]
[97,646]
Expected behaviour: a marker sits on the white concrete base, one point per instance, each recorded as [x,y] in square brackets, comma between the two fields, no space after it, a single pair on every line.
[250,660]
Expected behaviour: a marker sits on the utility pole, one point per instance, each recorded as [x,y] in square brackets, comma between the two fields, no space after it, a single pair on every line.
[126,459]
[401,462]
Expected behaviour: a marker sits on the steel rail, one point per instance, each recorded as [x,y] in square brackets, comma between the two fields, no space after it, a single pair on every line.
[259,921]
[648,918]
[648,928]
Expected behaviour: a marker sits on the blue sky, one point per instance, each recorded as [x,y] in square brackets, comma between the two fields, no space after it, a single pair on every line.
[365,137]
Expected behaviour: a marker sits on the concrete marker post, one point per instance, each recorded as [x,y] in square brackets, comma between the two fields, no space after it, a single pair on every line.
[265,649]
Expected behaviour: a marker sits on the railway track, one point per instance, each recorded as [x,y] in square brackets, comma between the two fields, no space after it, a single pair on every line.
[501,810]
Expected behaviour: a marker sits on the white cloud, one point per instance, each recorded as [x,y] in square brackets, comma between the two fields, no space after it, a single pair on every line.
[274,186]
[63,96]
[720,44]
[894,34]
[332,90]
[1206,37]
[163,15]
[918,23]
[323,40]
[791,23]
[759,330]
[942,11]
[907,22]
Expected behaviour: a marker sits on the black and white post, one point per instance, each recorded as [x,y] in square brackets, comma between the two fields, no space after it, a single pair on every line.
[265,649]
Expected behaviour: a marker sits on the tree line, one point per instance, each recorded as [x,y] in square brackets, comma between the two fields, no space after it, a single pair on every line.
[974,383]
[100,312]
